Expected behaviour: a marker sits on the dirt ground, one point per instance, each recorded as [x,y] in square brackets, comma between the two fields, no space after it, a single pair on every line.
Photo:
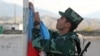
[94,48]
[15,45]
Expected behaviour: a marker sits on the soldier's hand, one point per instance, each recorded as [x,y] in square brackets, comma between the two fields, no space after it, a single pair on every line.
[42,53]
[37,17]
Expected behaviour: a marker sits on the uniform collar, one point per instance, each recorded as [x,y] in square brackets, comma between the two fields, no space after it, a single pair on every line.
[70,35]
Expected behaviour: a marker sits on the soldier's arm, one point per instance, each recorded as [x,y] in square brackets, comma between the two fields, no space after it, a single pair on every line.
[37,39]
[36,35]
[53,45]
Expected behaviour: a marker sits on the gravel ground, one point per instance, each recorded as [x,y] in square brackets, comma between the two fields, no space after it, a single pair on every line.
[15,45]
[12,45]
[94,48]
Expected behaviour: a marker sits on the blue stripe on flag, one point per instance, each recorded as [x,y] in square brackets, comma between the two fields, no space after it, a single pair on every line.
[30,23]
[44,31]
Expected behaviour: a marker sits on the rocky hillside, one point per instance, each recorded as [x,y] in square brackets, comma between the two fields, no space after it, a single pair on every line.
[87,24]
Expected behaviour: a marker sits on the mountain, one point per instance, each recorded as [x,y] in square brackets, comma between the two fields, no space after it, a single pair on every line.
[49,21]
[7,9]
[7,12]
[49,18]
[43,12]
[87,24]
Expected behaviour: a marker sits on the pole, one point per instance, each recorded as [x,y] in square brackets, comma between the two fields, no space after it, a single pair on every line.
[14,13]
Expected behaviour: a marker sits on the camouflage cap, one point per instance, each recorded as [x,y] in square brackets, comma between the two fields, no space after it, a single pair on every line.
[72,16]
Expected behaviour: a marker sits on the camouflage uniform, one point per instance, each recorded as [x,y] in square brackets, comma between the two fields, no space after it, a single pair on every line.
[58,45]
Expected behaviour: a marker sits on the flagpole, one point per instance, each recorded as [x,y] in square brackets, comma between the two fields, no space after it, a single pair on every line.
[25,23]
[25,15]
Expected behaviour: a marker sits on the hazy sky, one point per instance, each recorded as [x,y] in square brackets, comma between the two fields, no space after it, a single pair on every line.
[18,2]
[83,7]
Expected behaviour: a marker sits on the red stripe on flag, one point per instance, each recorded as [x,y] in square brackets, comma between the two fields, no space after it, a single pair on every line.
[31,50]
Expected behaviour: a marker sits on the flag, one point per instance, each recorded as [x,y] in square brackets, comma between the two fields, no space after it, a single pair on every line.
[44,34]
[44,31]
[31,51]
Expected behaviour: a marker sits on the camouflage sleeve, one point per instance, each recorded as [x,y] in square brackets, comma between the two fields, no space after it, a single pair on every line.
[38,41]
[36,37]
[60,46]
[54,45]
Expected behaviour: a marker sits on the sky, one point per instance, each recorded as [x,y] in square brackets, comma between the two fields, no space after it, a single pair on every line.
[83,7]
[18,2]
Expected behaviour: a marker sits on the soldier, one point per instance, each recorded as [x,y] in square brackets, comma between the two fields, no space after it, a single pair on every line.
[61,43]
